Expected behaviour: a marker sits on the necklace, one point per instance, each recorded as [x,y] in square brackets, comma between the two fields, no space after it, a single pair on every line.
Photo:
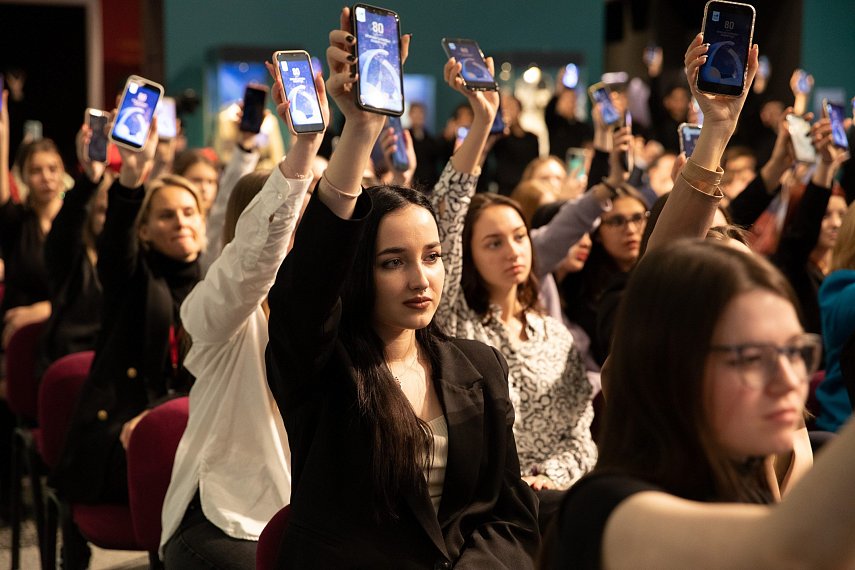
[409,368]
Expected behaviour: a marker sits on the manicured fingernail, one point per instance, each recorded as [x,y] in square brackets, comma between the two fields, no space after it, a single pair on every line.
[350,39]
[351,58]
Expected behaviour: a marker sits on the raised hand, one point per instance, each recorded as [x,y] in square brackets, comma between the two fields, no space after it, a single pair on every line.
[282,103]
[483,102]
[389,142]
[94,170]
[137,164]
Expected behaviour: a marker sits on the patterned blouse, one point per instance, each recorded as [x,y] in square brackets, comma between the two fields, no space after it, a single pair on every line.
[548,386]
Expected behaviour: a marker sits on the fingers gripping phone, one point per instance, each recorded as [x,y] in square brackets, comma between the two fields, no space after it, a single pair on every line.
[837,115]
[136,111]
[97,120]
[400,160]
[729,29]
[254,99]
[803,148]
[380,87]
[689,134]
[298,79]
[475,73]
[601,95]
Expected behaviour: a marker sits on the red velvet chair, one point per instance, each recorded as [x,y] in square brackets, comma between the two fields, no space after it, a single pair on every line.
[270,539]
[151,454]
[22,388]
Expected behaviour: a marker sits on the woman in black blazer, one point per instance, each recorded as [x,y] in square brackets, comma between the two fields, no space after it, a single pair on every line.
[401,439]
[147,264]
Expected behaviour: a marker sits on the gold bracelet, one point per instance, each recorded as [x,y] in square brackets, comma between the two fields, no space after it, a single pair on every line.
[341,193]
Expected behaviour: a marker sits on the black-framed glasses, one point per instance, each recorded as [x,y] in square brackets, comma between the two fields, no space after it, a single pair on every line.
[758,363]
[620,221]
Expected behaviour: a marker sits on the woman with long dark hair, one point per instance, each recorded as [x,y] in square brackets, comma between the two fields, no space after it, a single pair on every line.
[401,439]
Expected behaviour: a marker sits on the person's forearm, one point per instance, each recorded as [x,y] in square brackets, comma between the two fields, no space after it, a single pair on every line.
[711,144]
[824,174]
[341,184]
[468,157]
[771,173]
[298,162]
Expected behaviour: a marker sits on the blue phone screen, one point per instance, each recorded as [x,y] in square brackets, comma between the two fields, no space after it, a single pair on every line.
[468,55]
[379,60]
[838,131]
[728,32]
[134,117]
[300,90]
[399,158]
[690,138]
[607,109]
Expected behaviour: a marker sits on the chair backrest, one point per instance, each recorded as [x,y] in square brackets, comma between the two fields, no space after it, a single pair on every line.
[58,393]
[151,453]
[22,386]
[270,539]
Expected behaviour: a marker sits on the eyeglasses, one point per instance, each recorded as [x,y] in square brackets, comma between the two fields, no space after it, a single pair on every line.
[620,221]
[758,363]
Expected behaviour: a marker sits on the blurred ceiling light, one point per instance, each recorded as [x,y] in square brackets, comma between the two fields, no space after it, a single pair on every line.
[532,75]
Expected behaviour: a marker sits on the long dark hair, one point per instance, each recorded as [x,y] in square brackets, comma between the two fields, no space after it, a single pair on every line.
[401,445]
[656,426]
[473,285]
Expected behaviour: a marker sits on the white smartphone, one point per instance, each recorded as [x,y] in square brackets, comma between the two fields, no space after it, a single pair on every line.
[298,80]
[800,135]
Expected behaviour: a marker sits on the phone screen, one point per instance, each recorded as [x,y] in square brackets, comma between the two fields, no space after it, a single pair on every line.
[133,119]
[380,87]
[800,135]
[298,79]
[498,126]
[728,29]
[400,160]
[576,162]
[764,68]
[97,150]
[474,70]
[838,131]
[253,109]
[688,138]
[571,76]
[803,86]
[167,121]
[607,109]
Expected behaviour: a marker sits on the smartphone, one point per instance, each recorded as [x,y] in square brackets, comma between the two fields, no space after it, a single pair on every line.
[729,29]
[699,114]
[167,119]
[764,68]
[600,95]
[689,133]
[475,74]
[498,126]
[400,160]
[650,53]
[571,76]
[626,159]
[802,83]
[97,120]
[298,80]
[380,88]
[254,99]
[836,113]
[575,158]
[136,111]
[800,135]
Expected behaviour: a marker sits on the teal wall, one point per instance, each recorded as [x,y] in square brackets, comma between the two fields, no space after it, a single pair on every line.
[828,43]
[192,27]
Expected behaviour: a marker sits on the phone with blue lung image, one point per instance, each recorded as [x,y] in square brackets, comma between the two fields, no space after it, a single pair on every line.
[380,87]
[601,95]
[400,160]
[474,71]
[298,79]
[136,111]
[836,115]
[728,28]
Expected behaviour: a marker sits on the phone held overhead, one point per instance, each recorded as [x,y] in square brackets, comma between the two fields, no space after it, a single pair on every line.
[297,73]
[728,28]
[475,73]
[600,96]
[254,99]
[136,111]
[380,87]
[97,121]
[689,133]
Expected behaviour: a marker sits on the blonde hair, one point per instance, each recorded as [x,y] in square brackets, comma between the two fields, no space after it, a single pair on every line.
[843,254]
[159,184]
[528,173]
[529,195]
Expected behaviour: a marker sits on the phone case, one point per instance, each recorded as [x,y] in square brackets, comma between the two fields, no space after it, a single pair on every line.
[308,59]
[750,43]
[400,71]
[147,83]
[88,120]
[803,148]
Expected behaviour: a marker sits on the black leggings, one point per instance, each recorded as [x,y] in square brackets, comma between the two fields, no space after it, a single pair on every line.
[199,544]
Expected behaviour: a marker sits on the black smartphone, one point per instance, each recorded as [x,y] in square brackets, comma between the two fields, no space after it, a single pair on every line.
[254,99]
[136,111]
[380,88]
[298,79]
[729,29]
[837,115]
[601,95]
[475,74]
[689,134]
[803,148]
[400,160]
[97,120]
